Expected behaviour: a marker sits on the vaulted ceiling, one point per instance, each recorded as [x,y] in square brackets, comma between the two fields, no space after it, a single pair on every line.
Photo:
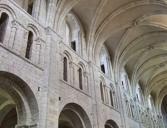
[135,33]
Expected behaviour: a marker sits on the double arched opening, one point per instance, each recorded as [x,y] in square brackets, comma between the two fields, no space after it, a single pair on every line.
[18,106]
[73,116]
[108,94]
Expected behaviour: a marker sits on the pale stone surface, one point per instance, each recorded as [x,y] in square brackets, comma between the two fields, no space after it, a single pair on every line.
[127,37]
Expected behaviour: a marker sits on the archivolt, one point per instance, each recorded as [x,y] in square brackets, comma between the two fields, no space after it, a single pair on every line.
[23,97]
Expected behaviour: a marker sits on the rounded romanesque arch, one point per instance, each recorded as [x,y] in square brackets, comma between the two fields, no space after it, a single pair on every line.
[111,124]
[18,105]
[73,116]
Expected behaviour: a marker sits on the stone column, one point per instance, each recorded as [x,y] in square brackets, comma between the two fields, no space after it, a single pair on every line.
[25,5]
[36,8]
[76,76]
[121,105]
[42,52]
[38,52]
[85,82]
[109,67]
[11,41]
[114,97]
[24,44]
[20,39]
[50,14]
[93,83]
[71,73]
[36,47]
[52,59]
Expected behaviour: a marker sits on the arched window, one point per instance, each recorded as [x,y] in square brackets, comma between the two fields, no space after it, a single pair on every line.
[80,78]
[73,32]
[3,25]
[103,68]
[73,45]
[29,45]
[101,91]
[105,63]
[65,78]
[111,98]
[30,6]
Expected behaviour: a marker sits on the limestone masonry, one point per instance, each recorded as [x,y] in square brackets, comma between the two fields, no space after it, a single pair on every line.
[83,64]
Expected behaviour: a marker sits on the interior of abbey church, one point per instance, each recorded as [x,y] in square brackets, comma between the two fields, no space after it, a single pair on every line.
[83,63]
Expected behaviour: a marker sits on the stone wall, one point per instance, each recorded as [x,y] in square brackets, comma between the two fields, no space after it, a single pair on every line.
[43,72]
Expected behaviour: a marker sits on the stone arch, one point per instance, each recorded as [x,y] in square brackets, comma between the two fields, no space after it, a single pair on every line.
[80,79]
[68,55]
[37,46]
[65,68]
[73,33]
[33,28]
[118,12]
[102,85]
[6,23]
[5,109]
[22,97]
[83,76]
[111,124]
[79,119]
[4,19]
[74,29]
[5,8]
[82,66]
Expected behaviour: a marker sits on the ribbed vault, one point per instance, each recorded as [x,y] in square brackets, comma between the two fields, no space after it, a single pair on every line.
[134,32]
